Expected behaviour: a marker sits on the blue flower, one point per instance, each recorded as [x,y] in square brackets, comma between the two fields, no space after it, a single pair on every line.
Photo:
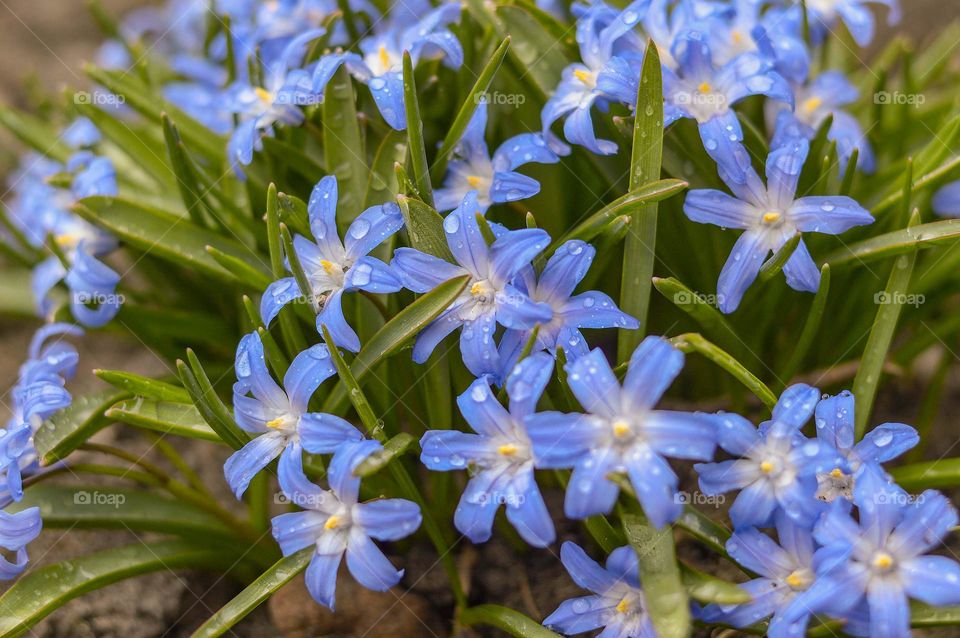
[770,215]
[946,201]
[259,108]
[784,570]
[621,432]
[881,560]
[278,418]
[855,14]
[334,267]
[495,179]
[602,33]
[822,97]
[499,456]
[618,604]
[16,531]
[778,466]
[592,309]
[834,419]
[381,64]
[490,296]
[334,523]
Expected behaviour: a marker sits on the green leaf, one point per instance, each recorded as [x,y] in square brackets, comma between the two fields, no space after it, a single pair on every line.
[660,574]
[810,328]
[287,155]
[343,146]
[535,54]
[256,593]
[144,386]
[922,615]
[293,213]
[639,250]
[16,298]
[403,327]
[102,507]
[35,133]
[194,198]
[937,474]
[925,181]
[705,530]
[772,267]
[69,428]
[467,109]
[707,589]
[205,397]
[505,619]
[164,235]
[627,205]
[692,342]
[392,449]
[43,591]
[141,146]
[867,381]
[897,242]
[161,416]
[700,310]
[424,228]
[382,185]
[415,144]
[253,278]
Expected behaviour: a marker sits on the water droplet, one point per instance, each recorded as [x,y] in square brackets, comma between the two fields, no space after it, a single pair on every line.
[452,223]
[359,228]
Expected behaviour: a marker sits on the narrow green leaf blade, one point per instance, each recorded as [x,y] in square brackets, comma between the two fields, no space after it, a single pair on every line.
[897,242]
[392,449]
[706,589]
[505,619]
[692,342]
[162,416]
[415,144]
[63,432]
[942,473]
[424,228]
[343,145]
[144,386]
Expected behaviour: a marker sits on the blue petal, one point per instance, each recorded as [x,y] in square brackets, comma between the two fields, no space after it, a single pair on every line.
[578,128]
[593,383]
[297,530]
[834,418]
[559,440]
[252,373]
[514,250]
[445,450]
[387,91]
[590,492]
[247,462]
[754,506]
[517,311]
[585,571]
[932,579]
[307,371]
[927,521]
[783,171]
[474,519]
[656,487]
[477,347]
[796,405]
[295,483]
[372,275]
[882,504]
[322,212]
[472,144]
[565,269]
[708,206]
[388,519]
[579,615]
[526,383]
[464,238]
[886,442]
[681,435]
[332,317]
[91,280]
[20,528]
[371,228]
[434,333]
[741,269]
[654,364]
[759,553]
[321,578]
[483,412]
[594,309]
[421,272]
[325,433]
[509,186]
[766,596]
[340,474]
[889,609]
[530,516]
[946,202]
[523,149]
[278,294]
[46,275]
[831,215]
[735,434]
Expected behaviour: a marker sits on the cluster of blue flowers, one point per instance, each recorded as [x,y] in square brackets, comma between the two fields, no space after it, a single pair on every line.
[42,192]
[37,395]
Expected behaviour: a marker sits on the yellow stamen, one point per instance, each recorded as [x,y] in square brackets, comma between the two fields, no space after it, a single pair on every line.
[766,467]
[332,522]
[620,428]
[883,560]
[836,473]
[507,450]
[476,289]
[623,606]
[276,423]
[737,36]
[705,87]
[584,76]
[811,104]
[796,579]
[328,266]
[66,239]
[771,217]
[384,57]
[263,94]
[473,180]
